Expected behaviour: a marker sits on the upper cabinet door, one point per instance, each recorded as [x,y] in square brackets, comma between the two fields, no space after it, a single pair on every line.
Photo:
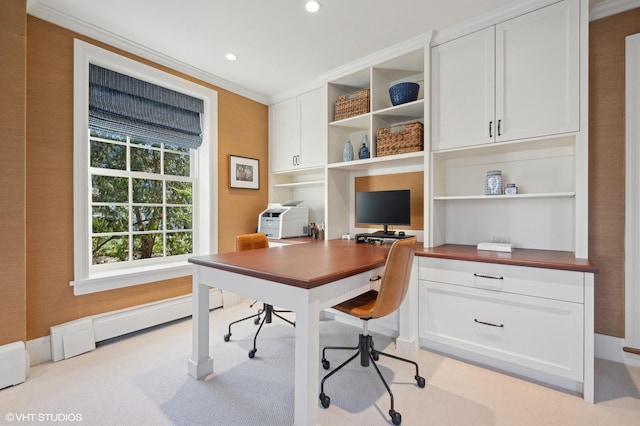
[517,80]
[284,140]
[463,91]
[312,109]
[537,73]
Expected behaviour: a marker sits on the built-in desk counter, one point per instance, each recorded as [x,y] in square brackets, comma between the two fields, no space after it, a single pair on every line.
[529,312]
[549,259]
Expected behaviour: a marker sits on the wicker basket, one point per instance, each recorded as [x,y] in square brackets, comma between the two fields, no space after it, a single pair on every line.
[352,104]
[399,139]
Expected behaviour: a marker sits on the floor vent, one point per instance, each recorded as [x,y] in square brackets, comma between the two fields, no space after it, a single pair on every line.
[13,364]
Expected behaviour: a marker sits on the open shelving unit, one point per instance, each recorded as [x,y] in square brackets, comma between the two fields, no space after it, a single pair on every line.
[379,77]
[542,215]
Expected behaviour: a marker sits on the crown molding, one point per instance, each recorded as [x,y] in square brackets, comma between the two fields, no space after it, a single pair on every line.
[37,9]
[419,42]
[606,8]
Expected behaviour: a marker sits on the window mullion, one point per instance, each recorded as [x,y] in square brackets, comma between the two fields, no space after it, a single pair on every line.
[130,198]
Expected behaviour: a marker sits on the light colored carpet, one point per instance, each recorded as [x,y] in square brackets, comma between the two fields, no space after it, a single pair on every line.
[142,379]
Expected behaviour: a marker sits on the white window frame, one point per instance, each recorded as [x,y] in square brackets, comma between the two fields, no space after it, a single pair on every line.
[205,218]
[632,188]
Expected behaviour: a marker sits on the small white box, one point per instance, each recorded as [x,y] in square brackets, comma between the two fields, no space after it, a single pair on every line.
[501,247]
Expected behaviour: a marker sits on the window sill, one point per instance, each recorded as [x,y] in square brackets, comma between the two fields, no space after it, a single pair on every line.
[113,280]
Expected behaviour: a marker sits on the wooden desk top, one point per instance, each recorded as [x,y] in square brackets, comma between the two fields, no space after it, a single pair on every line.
[302,265]
[319,262]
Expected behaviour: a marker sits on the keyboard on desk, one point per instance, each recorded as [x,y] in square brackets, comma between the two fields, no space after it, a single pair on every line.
[379,238]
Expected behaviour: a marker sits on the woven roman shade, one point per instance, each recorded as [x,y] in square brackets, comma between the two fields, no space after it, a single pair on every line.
[127,106]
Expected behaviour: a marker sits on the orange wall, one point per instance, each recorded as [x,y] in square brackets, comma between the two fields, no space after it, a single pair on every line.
[12,170]
[607,165]
[413,181]
[242,130]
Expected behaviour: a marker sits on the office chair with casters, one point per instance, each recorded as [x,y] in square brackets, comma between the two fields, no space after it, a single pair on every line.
[377,304]
[250,242]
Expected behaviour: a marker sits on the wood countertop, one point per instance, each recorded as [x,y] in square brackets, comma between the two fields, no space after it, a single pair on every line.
[549,259]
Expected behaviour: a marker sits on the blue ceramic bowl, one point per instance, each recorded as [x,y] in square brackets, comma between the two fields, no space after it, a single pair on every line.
[402,93]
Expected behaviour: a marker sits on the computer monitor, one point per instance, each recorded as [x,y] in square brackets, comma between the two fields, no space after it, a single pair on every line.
[384,208]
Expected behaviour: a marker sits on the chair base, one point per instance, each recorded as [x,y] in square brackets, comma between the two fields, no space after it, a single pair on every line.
[269,313]
[368,355]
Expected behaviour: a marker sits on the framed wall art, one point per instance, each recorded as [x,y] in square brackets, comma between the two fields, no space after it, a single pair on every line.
[244,172]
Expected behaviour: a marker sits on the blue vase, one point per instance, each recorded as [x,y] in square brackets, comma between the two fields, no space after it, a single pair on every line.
[347,152]
[364,151]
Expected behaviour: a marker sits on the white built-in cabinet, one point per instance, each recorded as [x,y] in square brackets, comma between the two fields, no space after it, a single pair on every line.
[508,94]
[297,132]
[512,81]
[507,98]
[512,97]
[298,151]
[530,321]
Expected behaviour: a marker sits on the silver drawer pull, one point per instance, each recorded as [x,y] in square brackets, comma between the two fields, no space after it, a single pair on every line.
[488,276]
[489,324]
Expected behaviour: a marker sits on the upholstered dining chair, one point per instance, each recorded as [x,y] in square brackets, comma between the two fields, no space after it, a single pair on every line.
[377,304]
[250,242]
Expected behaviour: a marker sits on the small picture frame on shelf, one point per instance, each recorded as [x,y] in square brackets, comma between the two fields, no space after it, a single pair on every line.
[244,172]
[493,183]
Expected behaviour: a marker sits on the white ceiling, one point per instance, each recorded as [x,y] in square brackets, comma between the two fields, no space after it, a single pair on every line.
[280,46]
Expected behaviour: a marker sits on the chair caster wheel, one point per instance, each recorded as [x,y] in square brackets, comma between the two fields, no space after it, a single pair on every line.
[256,321]
[375,355]
[396,418]
[420,381]
[325,364]
[227,337]
[325,400]
[252,353]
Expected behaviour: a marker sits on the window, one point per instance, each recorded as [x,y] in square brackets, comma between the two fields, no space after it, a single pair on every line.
[141,199]
[142,195]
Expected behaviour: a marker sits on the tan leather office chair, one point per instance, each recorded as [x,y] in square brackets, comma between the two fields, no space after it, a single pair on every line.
[250,242]
[377,304]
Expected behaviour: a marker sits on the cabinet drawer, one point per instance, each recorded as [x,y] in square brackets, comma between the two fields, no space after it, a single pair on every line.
[539,282]
[545,335]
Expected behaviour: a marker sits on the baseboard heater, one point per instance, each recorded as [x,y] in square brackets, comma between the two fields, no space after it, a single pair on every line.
[13,364]
[80,336]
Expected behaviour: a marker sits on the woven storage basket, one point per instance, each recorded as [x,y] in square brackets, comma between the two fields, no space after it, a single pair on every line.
[352,104]
[399,139]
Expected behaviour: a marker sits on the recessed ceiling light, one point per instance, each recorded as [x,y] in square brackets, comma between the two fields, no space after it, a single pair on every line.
[231,56]
[312,6]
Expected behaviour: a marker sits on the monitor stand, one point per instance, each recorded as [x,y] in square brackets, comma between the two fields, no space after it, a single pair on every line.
[384,233]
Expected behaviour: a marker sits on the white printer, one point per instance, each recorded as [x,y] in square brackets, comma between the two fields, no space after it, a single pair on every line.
[284,220]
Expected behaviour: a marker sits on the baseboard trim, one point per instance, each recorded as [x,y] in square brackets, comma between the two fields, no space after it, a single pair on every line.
[118,323]
[612,349]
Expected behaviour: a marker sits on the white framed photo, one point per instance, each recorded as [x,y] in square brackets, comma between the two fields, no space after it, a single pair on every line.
[244,172]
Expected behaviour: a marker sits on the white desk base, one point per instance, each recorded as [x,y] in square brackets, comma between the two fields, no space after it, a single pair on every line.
[306,304]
